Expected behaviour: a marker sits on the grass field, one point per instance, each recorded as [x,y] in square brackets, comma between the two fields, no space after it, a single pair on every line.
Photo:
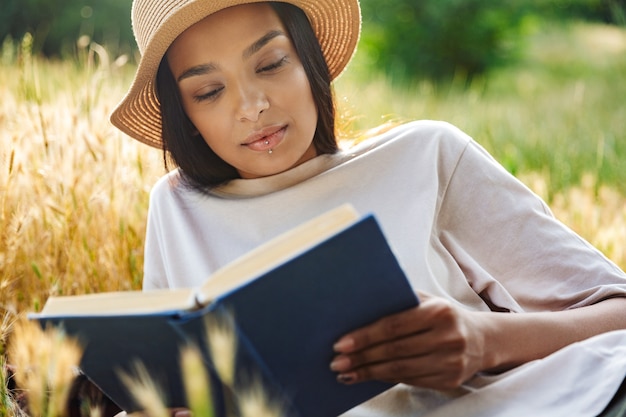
[73,190]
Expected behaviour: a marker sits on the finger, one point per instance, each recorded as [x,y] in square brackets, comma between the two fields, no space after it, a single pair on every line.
[431,312]
[411,346]
[447,374]
[442,333]
[428,344]
[388,328]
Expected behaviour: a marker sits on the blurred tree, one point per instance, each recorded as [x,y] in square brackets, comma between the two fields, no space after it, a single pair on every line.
[57,24]
[608,11]
[441,39]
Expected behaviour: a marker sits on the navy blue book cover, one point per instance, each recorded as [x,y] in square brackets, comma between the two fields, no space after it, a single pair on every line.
[287,319]
[292,315]
[117,343]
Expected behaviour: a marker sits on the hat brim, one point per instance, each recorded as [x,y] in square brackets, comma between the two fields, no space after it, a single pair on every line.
[337,24]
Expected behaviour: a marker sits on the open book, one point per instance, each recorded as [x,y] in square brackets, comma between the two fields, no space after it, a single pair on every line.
[235,274]
[291,298]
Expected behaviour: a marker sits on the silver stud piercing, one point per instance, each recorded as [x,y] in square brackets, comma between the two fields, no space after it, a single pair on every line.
[270,151]
[267,142]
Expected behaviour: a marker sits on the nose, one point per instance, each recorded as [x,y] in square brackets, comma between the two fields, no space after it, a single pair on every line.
[252,102]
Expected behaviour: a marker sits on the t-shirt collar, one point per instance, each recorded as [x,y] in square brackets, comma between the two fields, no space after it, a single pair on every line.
[243,188]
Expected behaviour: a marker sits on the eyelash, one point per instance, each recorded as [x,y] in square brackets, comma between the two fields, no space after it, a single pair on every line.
[208,96]
[268,68]
[273,66]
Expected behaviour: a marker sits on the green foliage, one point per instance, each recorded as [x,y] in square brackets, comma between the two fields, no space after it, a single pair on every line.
[57,24]
[559,112]
[608,11]
[440,39]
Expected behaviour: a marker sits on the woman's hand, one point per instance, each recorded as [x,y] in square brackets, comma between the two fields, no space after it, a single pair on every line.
[439,346]
[435,345]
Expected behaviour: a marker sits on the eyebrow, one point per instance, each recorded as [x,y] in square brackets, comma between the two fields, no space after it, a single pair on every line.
[264,40]
[204,69]
[196,70]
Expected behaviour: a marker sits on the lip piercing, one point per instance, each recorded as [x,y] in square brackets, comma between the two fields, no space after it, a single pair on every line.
[267,142]
[270,151]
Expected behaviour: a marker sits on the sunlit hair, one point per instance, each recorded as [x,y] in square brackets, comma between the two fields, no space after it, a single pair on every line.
[184,147]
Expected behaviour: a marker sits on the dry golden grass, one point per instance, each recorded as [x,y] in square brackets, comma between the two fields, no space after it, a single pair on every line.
[46,363]
[74,191]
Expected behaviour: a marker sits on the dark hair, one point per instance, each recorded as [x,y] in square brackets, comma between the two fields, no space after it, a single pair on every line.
[185,147]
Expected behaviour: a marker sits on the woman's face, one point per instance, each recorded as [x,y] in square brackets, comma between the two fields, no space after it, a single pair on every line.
[243,87]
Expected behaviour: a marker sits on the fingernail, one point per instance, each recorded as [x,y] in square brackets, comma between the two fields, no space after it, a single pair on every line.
[344,344]
[340,364]
[346,378]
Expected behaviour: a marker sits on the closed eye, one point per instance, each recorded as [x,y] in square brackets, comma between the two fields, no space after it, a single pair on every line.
[207,96]
[211,95]
[273,66]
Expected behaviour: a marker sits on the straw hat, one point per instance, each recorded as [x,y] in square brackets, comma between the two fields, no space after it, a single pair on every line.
[157,23]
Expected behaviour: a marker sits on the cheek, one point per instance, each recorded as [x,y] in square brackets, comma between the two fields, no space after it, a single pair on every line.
[210,125]
[302,102]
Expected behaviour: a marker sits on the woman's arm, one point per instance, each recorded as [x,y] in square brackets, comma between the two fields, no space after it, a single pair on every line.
[437,345]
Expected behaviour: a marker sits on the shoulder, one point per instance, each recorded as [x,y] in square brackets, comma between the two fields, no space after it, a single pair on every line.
[170,190]
[429,129]
[434,142]
[420,134]
[165,185]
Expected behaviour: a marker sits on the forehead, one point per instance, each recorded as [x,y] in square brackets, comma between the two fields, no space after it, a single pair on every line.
[228,28]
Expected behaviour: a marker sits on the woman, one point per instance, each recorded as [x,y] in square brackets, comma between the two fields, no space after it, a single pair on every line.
[238,95]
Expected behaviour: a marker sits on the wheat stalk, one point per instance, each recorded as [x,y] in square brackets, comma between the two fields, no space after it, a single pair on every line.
[46,363]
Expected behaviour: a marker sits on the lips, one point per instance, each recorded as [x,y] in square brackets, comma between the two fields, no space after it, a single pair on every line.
[266,138]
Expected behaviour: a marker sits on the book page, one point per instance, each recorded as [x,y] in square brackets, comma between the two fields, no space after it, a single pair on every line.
[240,271]
[277,251]
[120,302]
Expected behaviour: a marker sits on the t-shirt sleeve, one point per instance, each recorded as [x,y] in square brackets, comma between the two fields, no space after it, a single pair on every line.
[512,250]
[154,271]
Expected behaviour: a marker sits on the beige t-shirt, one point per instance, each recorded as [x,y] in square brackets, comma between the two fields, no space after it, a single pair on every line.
[461,226]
